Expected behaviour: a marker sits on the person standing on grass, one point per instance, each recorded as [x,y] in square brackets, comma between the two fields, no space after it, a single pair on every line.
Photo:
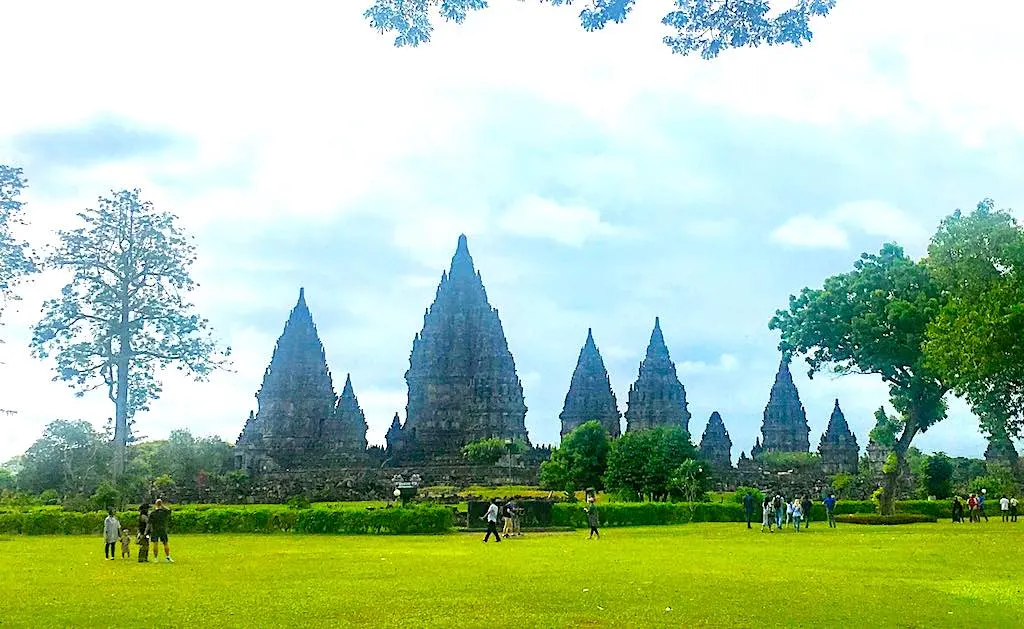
[780,510]
[517,520]
[797,514]
[805,509]
[506,516]
[748,506]
[958,510]
[159,523]
[981,505]
[789,512]
[1004,508]
[142,538]
[492,521]
[1013,509]
[592,518]
[830,510]
[111,532]
[972,509]
[767,514]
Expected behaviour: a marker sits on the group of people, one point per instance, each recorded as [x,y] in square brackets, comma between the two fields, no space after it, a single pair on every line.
[975,508]
[777,512]
[152,527]
[510,513]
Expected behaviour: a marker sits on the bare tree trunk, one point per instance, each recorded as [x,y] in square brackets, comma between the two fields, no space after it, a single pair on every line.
[890,486]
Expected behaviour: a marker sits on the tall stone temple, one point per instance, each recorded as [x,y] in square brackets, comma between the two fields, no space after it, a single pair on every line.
[590,395]
[715,444]
[1000,449]
[785,426]
[657,398]
[462,378]
[838,447]
[300,423]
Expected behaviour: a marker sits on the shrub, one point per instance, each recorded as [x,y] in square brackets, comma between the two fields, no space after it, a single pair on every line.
[298,502]
[788,460]
[875,519]
[737,496]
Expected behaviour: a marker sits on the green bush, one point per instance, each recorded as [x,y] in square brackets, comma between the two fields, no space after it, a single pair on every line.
[875,519]
[737,496]
[255,519]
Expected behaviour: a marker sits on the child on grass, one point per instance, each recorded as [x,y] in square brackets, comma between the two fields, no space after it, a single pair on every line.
[126,542]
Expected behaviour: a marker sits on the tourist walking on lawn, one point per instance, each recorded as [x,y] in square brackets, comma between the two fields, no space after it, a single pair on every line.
[972,509]
[958,510]
[797,514]
[748,506]
[517,528]
[142,539]
[592,518]
[789,511]
[805,508]
[492,521]
[981,505]
[1004,508]
[1013,509]
[506,531]
[780,510]
[159,524]
[767,514]
[830,510]
[126,544]
[111,531]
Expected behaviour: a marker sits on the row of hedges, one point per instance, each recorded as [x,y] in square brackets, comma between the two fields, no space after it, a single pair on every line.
[421,519]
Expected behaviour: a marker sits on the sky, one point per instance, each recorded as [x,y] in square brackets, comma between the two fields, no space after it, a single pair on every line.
[601,180]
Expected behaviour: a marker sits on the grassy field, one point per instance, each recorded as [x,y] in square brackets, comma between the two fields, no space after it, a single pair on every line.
[699,575]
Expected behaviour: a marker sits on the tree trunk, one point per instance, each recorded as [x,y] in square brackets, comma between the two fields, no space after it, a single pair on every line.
[890,486]
[121,419]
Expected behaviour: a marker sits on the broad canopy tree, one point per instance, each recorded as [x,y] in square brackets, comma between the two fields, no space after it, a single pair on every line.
[15,258]
[707,27]
[123,316]
[976,340]
[580,461]
[874,320]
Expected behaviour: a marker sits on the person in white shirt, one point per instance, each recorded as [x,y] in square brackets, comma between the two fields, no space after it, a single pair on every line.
[1004,507]
[492,521]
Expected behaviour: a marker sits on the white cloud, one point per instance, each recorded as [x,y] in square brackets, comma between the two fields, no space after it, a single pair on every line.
[572,225]
[726,362]
[809,232]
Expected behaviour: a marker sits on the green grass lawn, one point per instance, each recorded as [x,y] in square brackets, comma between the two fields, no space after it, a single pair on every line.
[699,575]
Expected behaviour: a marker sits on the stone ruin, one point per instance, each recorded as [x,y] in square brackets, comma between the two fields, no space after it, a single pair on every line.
[590,395]
[657,398]
[839,451]
[715,444]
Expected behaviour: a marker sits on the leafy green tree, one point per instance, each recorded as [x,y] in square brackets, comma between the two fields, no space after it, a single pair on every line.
[692,480]
[488,451]
[975,342]
[641,464]
[106,496]
[15,259]
[7,480]
[69,458]
[580,461]
[938,475]
[707,27]
[874,320]
[123,316]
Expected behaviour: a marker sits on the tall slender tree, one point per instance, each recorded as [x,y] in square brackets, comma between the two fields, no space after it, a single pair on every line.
[124,316]
[706,27]
[15,258]
[874,320]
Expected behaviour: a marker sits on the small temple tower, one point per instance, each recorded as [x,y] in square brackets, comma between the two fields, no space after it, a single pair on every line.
[590,395]
[715,444]
[393,438]
[838,448]
[657,398]
[296,399]
[1000,449]
[462,378]
[785,426]
[345,431]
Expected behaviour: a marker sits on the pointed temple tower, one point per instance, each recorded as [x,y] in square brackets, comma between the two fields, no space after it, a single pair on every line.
[657,398]
[345,431]
[838,447]
[590,395]
[785,426]
[1000,449]
[715,445]
[462,378]
[295,403]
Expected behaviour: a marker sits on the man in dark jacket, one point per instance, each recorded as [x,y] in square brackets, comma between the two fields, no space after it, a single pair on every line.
[159,522]
[805,505]
[748,507]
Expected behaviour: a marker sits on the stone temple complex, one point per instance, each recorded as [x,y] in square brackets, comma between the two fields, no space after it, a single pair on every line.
[785,426]
[657,398]
[590,395]
[463,387]
[839,451]
[300,421]
[715,444]
[462,379]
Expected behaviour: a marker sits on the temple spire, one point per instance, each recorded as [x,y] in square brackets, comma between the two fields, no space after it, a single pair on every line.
[657,398]
[785,426]
[838,447]
[715,444]
[590,395]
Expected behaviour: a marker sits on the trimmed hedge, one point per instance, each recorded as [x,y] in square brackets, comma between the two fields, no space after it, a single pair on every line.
[889,520]
[420,519]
